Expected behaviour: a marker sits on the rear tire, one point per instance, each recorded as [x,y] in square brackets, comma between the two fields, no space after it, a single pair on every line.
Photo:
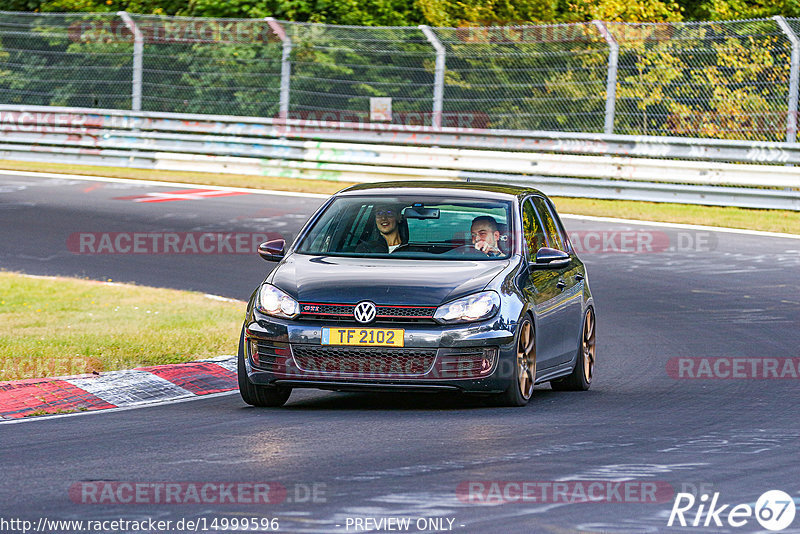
[254,394]
[582,374]
[520,390]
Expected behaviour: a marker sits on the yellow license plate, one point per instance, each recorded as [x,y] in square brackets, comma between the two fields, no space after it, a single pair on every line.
[372,337]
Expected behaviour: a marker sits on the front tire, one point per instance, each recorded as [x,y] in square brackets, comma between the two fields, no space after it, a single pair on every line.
[582,374]
[520,390]
[254,394]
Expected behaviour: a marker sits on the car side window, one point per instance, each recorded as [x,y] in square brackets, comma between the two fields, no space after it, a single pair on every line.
[560,227]
[360,228]
[532,229]
[553,235]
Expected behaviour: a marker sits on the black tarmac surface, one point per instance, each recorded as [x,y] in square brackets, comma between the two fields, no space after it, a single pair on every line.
[702,295]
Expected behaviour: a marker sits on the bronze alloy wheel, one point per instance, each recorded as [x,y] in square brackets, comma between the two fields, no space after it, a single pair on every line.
[526,359]
[588,345]
[580,379]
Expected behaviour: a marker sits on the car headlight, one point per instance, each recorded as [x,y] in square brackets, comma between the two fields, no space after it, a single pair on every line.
[277,303]
[467,309]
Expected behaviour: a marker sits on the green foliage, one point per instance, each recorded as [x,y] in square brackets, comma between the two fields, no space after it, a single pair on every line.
[69,6]
[354,12]
[227,8]
[154,7]
[741,9]
[21,5]
[724,80]
[433,12]
[551,79]
[451,13]
[621,10]
[717,79]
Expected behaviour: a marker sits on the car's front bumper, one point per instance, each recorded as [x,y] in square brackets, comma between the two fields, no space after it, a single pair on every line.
[434,357]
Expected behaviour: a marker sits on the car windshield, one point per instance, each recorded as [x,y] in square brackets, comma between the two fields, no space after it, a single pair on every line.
[411,227]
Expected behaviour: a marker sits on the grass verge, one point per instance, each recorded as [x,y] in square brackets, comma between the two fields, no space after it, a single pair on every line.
[749,219]
[66,326]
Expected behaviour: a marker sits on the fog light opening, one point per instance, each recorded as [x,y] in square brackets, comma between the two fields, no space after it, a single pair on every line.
[254,351]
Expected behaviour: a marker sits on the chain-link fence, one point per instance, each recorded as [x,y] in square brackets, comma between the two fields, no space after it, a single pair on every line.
[735,79]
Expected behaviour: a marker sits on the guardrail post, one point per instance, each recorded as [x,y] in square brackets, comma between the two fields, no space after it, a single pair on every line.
[791,118]
[138,51]
[286,65]
[611,80]
[438,77]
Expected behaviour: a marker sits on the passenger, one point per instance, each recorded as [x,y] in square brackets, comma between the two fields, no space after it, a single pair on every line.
[486,235]
[392,229]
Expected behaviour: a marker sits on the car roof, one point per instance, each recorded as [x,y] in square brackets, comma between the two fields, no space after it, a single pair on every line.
[457,189]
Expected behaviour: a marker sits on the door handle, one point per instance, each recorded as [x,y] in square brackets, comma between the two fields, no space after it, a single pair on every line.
[578,277]
[561,284]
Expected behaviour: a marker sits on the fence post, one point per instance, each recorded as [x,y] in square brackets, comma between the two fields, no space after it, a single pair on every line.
[138,50]
[611,80]
[438,77]
[791,118]
[286,65]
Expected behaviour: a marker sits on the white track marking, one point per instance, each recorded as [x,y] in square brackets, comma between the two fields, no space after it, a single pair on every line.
[129,388]
[680,226]
[108,179]
[316,195]
[114,410]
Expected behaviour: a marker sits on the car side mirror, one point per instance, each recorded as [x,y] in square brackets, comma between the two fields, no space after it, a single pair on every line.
[272,250]
[550,258]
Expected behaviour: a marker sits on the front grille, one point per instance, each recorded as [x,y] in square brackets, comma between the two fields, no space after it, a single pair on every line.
[363,361]
[326,309]
[405,311]
[344,312]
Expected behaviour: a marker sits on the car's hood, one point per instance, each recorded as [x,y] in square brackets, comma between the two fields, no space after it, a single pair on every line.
[383,281]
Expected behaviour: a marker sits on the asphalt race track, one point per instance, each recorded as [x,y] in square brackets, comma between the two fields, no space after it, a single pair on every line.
[340,457]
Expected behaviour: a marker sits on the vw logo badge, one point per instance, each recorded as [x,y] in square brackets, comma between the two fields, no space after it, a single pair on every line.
[364,312]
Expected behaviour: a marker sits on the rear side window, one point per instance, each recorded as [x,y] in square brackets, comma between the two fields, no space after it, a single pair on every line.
[550,226]
[532,229]
[559,227]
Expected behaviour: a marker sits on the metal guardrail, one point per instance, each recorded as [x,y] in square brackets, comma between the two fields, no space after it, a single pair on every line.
[697,171]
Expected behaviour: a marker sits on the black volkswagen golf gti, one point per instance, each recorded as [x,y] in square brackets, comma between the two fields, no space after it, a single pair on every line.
[422,286]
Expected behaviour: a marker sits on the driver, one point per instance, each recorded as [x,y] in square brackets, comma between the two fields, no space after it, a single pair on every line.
[387,219]
[486,235]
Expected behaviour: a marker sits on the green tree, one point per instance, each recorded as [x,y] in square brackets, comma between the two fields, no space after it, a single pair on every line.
[351,12]
[451,13]
[620,10]
[741,9]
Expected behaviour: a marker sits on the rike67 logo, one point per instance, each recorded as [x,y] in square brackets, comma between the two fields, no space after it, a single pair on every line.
[774,510]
